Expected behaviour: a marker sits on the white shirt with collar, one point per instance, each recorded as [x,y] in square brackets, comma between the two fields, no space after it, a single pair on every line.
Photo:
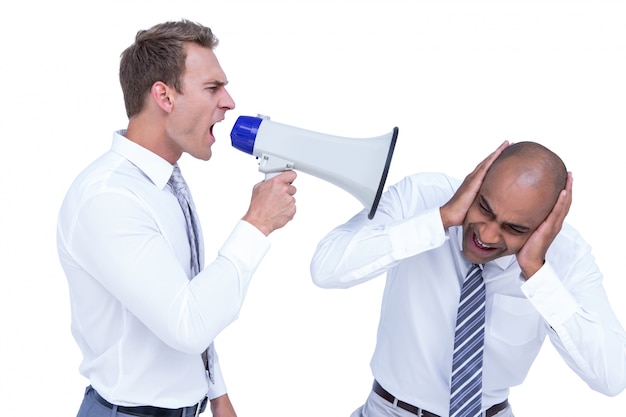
[425,267]
[139,321]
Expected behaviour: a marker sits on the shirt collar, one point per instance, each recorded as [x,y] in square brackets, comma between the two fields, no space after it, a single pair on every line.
[157,169]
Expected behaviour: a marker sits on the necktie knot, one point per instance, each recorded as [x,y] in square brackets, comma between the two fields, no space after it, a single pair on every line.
[177,182]
[475,273]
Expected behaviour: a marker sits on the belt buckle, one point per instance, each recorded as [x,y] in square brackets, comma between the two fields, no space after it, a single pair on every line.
[199,406]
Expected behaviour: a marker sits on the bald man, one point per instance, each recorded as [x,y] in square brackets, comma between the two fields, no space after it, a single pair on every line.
[504,222]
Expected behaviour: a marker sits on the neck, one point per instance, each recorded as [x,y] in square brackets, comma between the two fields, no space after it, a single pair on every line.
[151,134]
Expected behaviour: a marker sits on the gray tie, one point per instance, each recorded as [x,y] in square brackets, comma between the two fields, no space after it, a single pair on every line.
[196,244]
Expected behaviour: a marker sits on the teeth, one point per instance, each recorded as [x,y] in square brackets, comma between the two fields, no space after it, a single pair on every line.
[479,243]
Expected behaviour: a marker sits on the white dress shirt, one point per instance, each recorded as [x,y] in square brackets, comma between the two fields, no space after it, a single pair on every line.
[139,321]
[425,267]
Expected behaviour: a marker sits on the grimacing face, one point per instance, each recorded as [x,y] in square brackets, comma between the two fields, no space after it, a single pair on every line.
[507,210]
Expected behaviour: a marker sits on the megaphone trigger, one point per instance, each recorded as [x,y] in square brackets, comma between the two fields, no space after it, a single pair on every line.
[271,165]
[359,166]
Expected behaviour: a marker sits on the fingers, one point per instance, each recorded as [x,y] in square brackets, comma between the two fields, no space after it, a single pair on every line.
[488,161]
[532,255]
[454,211]
[475,178]
[273,203]
[562,205]
[569,183]
[286,177]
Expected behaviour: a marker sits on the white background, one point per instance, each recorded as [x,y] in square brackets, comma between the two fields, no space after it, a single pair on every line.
[457,78]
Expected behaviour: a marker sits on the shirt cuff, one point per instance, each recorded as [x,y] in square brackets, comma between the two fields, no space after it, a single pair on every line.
[549,296]
[219,388]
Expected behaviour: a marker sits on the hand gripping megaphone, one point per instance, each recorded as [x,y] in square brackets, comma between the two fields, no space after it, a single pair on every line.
[358,166]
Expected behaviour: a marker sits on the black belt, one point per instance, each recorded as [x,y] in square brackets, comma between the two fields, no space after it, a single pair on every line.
[148,411]
[423,413]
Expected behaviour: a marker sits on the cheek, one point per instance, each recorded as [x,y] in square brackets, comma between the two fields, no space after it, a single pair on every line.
[193,110]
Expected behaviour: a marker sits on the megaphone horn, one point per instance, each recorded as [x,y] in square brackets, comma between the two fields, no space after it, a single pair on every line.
[357,165]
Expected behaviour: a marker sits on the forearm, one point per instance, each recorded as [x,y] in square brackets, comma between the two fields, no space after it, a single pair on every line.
[583,328]
[213,299]
[222,407]
[145,272]
[361,250]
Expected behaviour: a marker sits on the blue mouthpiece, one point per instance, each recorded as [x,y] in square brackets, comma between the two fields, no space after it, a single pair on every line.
[244,132]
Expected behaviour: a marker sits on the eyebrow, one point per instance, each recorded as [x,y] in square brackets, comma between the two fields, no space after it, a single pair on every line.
[216,83]
[518,227]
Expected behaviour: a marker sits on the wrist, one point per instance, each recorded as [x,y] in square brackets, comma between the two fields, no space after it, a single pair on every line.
[531,269]
[444,218]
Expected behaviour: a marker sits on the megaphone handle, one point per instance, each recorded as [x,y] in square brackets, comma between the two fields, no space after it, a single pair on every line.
[270,175]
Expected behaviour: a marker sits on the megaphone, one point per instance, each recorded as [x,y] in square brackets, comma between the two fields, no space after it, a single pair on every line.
[358,166]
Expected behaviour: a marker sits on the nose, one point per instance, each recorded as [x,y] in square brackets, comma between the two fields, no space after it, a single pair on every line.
[490,233]
[227,101]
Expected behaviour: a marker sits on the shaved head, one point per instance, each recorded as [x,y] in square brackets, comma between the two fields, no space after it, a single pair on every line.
[533,164]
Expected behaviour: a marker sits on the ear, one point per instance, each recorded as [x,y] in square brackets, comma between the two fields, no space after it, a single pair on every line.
[162,95]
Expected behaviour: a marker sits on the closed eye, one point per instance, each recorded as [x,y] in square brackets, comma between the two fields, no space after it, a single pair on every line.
[485,207]
[520,230]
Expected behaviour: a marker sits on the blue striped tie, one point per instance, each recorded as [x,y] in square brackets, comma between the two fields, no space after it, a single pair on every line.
[467,361]
[194,233]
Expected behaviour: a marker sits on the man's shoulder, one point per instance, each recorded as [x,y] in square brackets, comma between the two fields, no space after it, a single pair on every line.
[109,172]
[423,190]
[569,235]
[431,180]
[568,246]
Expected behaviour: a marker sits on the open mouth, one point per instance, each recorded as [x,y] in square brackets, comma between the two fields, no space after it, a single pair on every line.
[213,126]
[480,243]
